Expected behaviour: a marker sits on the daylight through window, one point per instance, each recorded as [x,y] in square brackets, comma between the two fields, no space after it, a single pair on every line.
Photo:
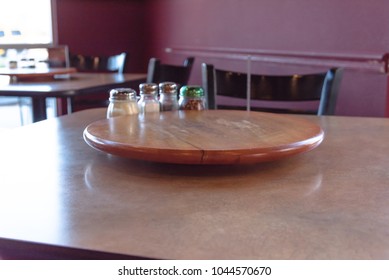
[26,22]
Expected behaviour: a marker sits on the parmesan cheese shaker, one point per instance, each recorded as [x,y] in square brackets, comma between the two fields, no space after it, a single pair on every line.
[122,101]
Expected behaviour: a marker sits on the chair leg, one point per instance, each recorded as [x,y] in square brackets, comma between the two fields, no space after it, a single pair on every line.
[20,105]
[70,105]
[25,107]
[64,105]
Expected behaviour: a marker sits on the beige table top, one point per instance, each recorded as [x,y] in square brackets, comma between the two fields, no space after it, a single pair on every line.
[328,203]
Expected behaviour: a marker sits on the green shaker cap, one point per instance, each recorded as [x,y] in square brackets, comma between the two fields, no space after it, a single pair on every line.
[192,91]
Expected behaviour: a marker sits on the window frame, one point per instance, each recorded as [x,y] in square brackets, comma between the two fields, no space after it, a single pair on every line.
[54,33]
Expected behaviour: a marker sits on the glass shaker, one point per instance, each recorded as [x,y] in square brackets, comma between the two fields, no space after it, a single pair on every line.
[192,98]
[168,96]
[148,101]
[122,101]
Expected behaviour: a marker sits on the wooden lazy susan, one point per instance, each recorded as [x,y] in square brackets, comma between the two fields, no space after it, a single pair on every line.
[205,137]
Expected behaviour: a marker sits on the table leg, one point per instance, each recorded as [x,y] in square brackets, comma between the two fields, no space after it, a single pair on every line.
[64,106]
[38,109]
[70,105]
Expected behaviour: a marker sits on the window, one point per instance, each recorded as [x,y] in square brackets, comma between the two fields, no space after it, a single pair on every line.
[26,23]
[27,28]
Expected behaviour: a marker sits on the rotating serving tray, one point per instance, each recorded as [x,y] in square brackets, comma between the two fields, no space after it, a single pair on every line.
[204,137]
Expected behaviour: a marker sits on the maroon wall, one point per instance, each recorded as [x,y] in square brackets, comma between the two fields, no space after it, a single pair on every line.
[354,27]
[303,25]
[103,27]
[146,28]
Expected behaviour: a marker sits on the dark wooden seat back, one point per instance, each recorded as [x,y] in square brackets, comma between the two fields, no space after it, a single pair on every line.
[179,74]
[89,63]
[321,87]
[96,64]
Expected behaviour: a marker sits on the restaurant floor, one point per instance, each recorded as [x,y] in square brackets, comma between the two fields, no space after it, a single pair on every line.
[14,115]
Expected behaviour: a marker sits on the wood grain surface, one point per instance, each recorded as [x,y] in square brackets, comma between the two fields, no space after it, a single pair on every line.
[36,73]
[205,137]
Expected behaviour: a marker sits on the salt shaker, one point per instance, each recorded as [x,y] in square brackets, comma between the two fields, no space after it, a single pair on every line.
[122,101]
[192,98]
[168,96]
[148,101]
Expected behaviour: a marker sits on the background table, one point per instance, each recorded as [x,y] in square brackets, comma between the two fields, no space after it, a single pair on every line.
[77,84]
[59,198]
[20,74]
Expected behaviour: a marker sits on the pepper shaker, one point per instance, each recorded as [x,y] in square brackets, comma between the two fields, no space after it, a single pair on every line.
[148,101]
[168,96]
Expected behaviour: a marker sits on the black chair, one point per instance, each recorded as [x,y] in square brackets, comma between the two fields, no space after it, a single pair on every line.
[280,93]
[179,74]
[58,56]
[96,64]
[102,64]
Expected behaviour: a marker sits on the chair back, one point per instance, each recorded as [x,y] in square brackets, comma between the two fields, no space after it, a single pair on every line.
[58,56]
[88,63]
[96,64]
[280,94]
[179,74]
